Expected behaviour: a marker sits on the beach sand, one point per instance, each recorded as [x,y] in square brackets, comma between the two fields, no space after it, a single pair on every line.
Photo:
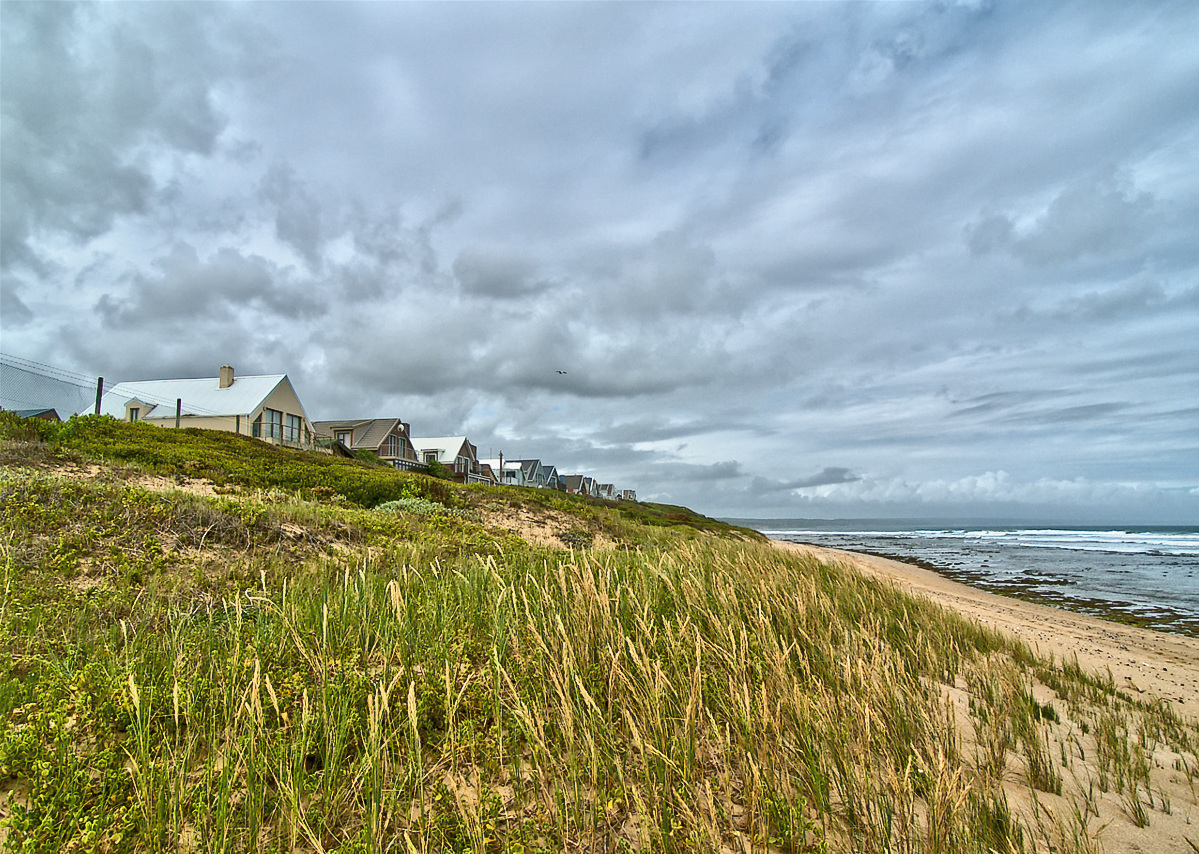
[1146,665]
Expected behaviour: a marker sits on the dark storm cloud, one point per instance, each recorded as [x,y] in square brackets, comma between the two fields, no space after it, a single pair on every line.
[297,213]
[189,288]
[497,271]
[950,246]
[91,96]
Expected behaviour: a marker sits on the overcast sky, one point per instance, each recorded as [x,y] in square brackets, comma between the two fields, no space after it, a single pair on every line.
[796,259]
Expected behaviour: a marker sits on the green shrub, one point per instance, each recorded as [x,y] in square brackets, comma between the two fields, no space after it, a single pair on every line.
[424,507]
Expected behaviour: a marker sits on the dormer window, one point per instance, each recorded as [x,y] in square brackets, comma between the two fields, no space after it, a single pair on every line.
[134,413]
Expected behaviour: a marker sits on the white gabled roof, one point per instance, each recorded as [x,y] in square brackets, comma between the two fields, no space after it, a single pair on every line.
[447,447]
[509,465]
[200,397]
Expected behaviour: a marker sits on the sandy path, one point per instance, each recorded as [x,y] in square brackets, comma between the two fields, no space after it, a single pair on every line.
[1146,663]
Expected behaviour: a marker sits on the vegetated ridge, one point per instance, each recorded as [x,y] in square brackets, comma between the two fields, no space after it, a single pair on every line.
[218,645]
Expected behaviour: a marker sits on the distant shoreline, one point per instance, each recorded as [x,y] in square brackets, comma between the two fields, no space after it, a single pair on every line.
[1098,608]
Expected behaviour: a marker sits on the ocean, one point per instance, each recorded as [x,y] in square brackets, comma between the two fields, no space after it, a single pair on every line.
[1148,576]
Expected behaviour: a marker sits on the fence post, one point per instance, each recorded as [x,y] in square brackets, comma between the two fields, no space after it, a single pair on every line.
[99,393]
[178,410]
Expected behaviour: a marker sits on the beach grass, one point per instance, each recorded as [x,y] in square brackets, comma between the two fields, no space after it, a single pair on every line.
[265,670]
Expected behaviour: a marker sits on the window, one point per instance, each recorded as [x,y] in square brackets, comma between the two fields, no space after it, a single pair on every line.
[343,436]
[134,413]
[393,446]
[295,428]
[430,456]
[269,425]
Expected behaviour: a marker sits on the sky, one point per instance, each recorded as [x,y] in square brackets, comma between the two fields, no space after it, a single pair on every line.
[803,260]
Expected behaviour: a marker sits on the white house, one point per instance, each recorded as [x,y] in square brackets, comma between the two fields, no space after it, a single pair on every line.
[265,407]
[511,473]
[453,452]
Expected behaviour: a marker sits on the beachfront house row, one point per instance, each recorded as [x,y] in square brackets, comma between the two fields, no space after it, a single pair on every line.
[265,407]
[540,474]
[453,452]
[389,439]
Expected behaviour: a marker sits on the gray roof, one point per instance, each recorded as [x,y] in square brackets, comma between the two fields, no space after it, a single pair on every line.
[369,433]
[35,413]
[200,397]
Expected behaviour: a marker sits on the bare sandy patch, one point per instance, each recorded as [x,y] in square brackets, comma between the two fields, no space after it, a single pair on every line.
[542,526]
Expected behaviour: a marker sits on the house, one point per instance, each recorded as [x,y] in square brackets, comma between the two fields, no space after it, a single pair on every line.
[489,474]
[265,407]
[580,484]
[388,439]
[539,474]
[532,472]
[507,472]
[572,483]
[453,452]
[628,495]
[41,414]
[607,491]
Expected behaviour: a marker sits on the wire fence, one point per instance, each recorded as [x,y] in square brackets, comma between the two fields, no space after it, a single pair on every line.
[28,385]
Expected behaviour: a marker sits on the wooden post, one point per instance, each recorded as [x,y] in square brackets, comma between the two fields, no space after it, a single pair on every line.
[99,393]
[178,410]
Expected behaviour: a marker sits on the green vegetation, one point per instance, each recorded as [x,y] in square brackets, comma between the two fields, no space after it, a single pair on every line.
[280,667]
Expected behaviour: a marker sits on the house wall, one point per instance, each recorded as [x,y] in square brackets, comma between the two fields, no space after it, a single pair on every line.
[283,399]
[227,423]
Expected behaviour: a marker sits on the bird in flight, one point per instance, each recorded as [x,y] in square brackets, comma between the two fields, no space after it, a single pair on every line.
[562,372]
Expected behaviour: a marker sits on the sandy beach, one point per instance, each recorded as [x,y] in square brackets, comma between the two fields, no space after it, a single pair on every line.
[1149,664]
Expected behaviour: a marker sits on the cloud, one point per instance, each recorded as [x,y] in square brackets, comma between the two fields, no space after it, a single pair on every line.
[825,477]
[1096,217]
[89,92]
[921,240]
[188,288]
[14,311]
[497,271]
[297,213]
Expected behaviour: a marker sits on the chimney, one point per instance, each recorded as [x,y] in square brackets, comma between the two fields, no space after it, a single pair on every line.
[226,376]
